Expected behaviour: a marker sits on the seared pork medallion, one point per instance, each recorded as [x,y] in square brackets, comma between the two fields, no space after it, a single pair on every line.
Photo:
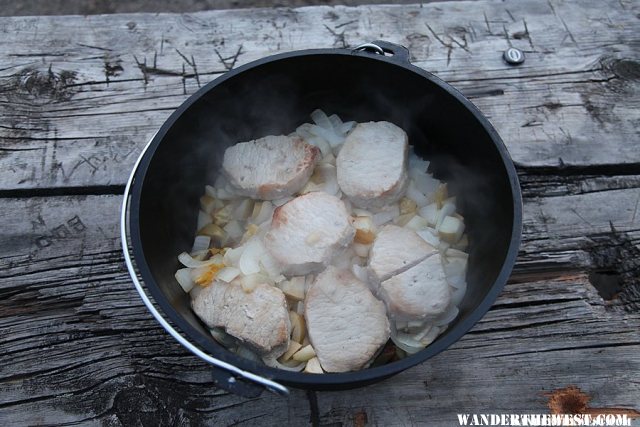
[313,249]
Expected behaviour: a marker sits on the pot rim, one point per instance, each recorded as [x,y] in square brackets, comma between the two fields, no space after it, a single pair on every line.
[326,380]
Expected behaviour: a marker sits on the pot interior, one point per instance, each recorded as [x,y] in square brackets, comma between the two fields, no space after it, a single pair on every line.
[275,97]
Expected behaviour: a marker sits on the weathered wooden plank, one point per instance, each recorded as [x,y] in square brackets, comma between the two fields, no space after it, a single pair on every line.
[79,347]
[77,106]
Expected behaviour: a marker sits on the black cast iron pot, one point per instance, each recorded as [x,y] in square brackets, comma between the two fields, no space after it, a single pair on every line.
[273,96]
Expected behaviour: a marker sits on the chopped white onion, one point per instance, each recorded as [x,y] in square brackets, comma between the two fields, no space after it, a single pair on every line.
[273,363]
[361,250]
[360,273]
[405,342]
[324,146]
[264,214]
[201,243]
[203,219]
[363,212]
[183,276]
[447,317]
[328,135]
[304,131]
[242,209]
[336,123]
[188,261]
[429,235]
[387,215]
[430,213]
[417,223]
[346,127]
[210,191]
[416,195]
[232,256]
[447,209]
[250,259]
[416,163]
[320,118]
[424,182]
[234,229]
[227,274]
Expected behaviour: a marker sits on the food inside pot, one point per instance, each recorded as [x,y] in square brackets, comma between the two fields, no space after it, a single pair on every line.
[314,249]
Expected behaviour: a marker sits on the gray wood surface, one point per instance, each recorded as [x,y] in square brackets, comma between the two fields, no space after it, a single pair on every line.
[78,101]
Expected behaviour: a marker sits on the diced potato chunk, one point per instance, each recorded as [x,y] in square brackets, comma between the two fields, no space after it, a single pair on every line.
[304,354]
[313,366]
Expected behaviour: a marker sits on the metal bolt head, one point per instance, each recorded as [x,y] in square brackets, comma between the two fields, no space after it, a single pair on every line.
[513,56]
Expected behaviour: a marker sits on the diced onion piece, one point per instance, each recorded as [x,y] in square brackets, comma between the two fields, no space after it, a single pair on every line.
[441,195]
[455,253]
[430,213]
[313,366]
[210,191]
[430,336]
[336,123]
[425,183]
[251,230]
[298,328]
[203,219]
[250,281]
[416,195]
[243,209]
[407,205]
[457,295]
[328,135]
[447,317]
[234,229]
[320,118]
[386,215]
[304,131]
[265,213]
[227,274]
[329,159]
[324,146]
[272,363]
[360,273]
[269,264]
[446,210]
[207,203]
[232,256]
[294,346]
[183,277]
[402,220]
[347,127]
[223,215]
[300,308]
[249,262]
[455,271]
[188,261]
[361,212]
[304,354]
[225,194]
[201,243]
[406,343]
[417,223]
[365,230]
[430,236]
[293,288]
[205,275]
[361,250]
[416,162]
[451,229]
[217,234]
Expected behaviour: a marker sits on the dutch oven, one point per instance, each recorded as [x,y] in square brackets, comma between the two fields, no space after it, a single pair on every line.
[274,95]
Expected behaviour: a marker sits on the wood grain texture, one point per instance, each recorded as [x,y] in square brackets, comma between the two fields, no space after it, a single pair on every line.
[77,106]
[79,346]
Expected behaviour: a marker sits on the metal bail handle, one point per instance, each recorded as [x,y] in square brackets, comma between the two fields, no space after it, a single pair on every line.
[384,48]
[225,375]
